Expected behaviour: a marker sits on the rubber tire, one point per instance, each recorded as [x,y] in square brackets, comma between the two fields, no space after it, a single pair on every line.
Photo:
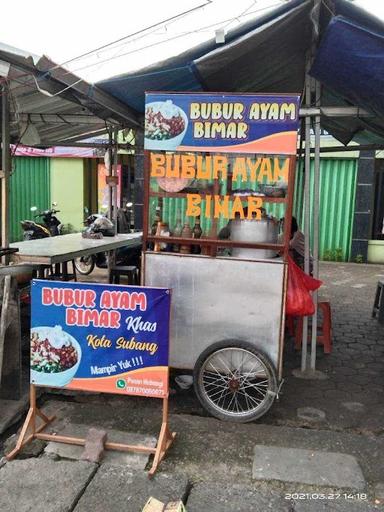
[85,272]
[222,415]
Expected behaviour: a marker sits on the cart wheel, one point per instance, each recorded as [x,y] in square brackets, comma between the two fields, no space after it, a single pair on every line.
[234,381]
[85,265]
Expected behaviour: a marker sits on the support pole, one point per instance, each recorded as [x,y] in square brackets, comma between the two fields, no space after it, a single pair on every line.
[109,172]
[111,254]
[6,168]
[316,201]
[307,166]
[139,213]
[114,173]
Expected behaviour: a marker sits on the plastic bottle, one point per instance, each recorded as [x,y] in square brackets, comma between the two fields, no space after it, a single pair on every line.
[177,231]
[186,233]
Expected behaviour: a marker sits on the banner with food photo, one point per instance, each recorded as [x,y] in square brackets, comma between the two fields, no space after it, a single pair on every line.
[103,338]
[220,122]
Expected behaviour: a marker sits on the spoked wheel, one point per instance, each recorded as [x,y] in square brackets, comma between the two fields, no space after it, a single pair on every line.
[85,265]
[234,381]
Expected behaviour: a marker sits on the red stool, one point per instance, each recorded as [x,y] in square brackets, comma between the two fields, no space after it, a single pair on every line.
[324,332]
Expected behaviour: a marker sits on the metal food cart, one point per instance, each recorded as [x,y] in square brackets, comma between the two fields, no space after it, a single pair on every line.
[228,302]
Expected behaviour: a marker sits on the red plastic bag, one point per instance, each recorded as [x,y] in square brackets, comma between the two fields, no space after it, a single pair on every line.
[299,301]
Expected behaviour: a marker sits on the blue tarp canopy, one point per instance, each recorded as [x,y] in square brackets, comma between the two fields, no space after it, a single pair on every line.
[182,73]
[350,64]
[269,55]
[130,88]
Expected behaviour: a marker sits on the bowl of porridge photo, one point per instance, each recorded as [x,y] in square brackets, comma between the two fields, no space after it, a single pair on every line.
[165,125]
[55,356]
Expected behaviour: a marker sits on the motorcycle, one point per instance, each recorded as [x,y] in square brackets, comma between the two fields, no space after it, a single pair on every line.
[51,225]
[95,223]
[98,223]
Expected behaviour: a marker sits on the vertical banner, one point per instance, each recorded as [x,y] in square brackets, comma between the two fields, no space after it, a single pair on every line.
[102,187]
[102,338]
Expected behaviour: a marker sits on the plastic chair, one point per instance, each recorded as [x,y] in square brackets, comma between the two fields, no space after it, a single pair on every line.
[324,328]
[60,272]
[130,271]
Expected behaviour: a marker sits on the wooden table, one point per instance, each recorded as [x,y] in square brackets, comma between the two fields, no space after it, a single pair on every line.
[32,253]
[64,248]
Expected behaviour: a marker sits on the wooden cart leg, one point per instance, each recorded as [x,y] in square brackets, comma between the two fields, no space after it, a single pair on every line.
[165,440]
[29,429]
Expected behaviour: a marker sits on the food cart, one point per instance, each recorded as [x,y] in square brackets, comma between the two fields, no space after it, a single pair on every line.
[219,174]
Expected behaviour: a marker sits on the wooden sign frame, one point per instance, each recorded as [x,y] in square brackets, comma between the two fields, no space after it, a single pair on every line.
[31,431]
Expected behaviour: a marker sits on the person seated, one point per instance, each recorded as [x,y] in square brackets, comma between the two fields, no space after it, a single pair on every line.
[296,244]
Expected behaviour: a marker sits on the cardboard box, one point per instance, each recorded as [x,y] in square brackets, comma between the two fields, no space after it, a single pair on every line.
[154,505]
[175,506]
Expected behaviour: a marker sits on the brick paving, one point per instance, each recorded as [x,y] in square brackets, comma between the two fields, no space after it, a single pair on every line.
[355,368]
[352,395]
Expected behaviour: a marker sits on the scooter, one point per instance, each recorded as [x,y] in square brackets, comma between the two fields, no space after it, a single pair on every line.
[97,223]
[51,226]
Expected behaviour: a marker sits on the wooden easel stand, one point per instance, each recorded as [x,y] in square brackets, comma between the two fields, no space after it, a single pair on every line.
[30,431]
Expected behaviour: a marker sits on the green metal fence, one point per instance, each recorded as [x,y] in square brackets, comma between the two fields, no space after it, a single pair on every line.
[29,186]
[337,205]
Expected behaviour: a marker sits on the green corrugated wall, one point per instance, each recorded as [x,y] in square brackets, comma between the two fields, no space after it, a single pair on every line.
[29,186]
[337,204]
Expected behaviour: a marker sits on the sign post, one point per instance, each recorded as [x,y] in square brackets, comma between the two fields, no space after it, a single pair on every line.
[103,338]
[221,122]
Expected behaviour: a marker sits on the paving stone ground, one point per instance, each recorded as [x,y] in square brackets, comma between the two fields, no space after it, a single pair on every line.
[116,488]
[355,368]
[215,458]
[42,485]
[312,467]
[214,497]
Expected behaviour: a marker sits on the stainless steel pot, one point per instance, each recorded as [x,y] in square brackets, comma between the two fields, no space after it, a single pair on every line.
[263,231]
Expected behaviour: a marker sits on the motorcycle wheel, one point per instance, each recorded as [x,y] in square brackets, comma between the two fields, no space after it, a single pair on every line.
[85,265]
